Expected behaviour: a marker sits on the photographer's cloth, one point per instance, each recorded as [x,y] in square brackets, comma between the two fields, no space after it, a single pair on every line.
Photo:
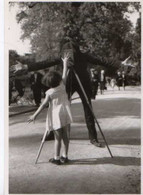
[59,113]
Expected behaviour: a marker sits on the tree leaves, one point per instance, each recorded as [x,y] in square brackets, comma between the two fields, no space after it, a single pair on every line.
[99,26]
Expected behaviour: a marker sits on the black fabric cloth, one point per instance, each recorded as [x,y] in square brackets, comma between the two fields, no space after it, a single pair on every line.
[119,80]
[79,62]
[73,86]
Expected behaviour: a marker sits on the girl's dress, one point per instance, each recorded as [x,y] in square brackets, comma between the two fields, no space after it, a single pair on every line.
[59,113]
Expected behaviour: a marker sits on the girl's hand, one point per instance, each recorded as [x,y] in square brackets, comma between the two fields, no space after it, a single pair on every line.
[31,119]
[66,57]
[65,67]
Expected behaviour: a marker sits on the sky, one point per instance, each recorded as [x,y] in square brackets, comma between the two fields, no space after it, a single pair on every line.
[14,32]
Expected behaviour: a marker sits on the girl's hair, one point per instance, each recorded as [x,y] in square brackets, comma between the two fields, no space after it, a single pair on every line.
[52,79]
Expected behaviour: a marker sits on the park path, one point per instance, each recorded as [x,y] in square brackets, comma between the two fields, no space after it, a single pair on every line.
[91,169]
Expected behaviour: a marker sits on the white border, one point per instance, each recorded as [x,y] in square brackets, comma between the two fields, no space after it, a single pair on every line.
[2,97]
[4,189]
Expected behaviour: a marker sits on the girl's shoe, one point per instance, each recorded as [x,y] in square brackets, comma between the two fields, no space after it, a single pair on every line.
[64,160]
[54,161]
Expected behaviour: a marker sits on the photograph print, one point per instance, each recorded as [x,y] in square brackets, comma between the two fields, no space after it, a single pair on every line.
[74,97]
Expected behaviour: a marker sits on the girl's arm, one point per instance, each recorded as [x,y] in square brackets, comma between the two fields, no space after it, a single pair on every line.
[43,105]
[65,59]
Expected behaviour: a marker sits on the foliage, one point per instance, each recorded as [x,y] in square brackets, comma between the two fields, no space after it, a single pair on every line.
[102,27]
[12,57]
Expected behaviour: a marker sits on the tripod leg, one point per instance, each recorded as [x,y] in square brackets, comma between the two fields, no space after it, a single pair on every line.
[41,146]
[92,111]
[103,137]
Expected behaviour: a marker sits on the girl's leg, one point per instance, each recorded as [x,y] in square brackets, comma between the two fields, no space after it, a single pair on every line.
[65,136]
[58,137]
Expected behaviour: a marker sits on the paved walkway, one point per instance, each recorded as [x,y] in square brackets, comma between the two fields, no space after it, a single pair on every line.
[15,109]
[91,170]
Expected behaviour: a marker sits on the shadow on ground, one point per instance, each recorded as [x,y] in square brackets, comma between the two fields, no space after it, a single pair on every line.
[116,160]
[122,137]
[122,161]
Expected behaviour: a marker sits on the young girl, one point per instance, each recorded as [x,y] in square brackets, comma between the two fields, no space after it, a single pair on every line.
[59,115]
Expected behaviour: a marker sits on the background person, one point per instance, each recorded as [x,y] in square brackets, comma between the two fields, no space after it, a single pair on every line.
[94,82]
[19,87]
[102,81]
[124,80]
[119,80]
[36,87]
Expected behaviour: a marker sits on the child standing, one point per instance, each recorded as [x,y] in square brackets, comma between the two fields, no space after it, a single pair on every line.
[59,115]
